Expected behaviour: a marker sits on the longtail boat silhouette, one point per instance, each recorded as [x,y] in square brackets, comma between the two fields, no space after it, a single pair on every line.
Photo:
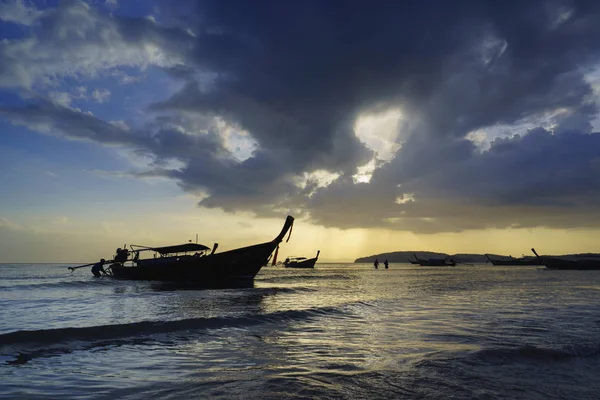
[435,262]
[203,267]
[563,263]
[513,261]
[301,262]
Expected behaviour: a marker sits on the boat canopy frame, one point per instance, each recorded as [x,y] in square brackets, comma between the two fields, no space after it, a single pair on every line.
[173,249]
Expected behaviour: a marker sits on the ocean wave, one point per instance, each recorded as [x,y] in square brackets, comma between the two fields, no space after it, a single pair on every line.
[58,284]
[535,354]
[153,285]
[148,328]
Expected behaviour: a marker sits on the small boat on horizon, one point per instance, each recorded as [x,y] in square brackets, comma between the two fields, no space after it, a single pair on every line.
[301,262]
[203,267]
[513,261]
[434,262]
[568,264]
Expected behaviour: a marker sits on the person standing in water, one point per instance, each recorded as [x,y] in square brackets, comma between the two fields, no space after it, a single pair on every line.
[99,267]
[376,263]
[386,264]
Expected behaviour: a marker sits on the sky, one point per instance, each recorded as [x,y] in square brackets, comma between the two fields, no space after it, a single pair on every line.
[463,126]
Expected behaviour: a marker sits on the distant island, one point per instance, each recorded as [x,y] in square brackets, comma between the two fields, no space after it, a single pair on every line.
[404,256]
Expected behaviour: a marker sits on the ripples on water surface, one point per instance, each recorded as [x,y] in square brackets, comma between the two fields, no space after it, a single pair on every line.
[339,331]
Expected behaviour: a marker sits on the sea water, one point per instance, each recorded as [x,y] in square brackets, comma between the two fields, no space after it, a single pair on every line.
[343,331]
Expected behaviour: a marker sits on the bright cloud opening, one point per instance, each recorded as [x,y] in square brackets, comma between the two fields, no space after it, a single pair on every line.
[365,172]
[238,141]
[379,132]
[483,137]
[405,198]
[316,179]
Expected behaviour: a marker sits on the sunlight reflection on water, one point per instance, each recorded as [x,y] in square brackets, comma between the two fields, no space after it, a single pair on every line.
[336,331]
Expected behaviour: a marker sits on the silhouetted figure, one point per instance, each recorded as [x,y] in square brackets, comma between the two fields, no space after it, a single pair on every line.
[98,268]
[122,255]
[386,264]
[376,263]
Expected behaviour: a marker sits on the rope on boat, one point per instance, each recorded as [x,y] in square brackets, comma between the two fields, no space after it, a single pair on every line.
[290,234]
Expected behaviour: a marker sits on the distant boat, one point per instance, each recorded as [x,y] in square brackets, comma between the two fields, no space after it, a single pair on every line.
[513,261]
[413,262]
[301,262]
[235,265]
[562,263]
[434,262]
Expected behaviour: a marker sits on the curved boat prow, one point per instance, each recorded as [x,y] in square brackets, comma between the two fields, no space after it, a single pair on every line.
[534,252]
[210,270]
[318,252]
[289,222]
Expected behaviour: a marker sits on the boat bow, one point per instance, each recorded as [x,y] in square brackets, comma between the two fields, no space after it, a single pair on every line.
[289,223]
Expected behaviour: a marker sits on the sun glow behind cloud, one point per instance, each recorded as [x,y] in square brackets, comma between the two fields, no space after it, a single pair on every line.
[238,141]
[315,179]
[364,172]
[379,132]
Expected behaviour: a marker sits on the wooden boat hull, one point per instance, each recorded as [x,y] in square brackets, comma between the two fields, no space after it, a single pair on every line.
[231,266]
[235,265]
[433,262]
[571,265]
[515,261]
[582,265]
[436,264]
[310,263]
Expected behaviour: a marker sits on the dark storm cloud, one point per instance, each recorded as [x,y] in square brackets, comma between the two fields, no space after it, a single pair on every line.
[296,75]
[207,164]
[540,179]
[541,168]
